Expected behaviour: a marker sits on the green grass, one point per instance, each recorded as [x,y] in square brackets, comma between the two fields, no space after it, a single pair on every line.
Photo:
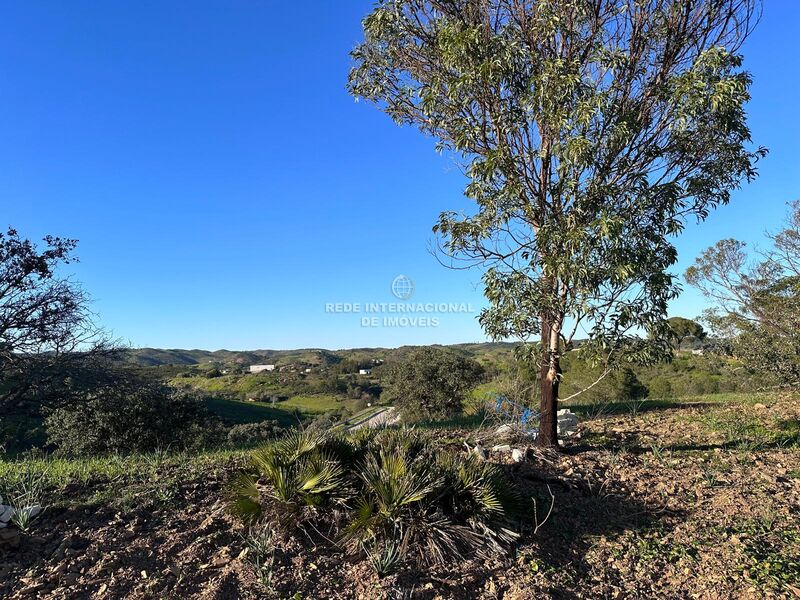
[465,421]
[750,432]
[231,384]
[121,481]
[287,413]
[234,411]
[315,404]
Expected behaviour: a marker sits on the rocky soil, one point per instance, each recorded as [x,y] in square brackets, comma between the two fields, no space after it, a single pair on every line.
[697,501]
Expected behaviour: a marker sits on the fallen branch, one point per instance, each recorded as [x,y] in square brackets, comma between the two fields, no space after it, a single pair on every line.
[538,525]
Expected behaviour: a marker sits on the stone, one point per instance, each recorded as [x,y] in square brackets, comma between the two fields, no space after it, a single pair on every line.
[504,430]
[219,561]
[480,452]
[6,512]
[518,455]
[59,552]
[567,422]
[501,448]
[508,430]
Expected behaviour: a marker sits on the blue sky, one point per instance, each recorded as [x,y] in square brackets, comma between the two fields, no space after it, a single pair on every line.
[224,187]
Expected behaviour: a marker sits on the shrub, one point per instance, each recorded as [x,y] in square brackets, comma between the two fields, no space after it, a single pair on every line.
[627,385]
[129,417]
[388,494]
[302,470]
[431,383]
[660,387]
[704,383]
[362,402]
[253,434]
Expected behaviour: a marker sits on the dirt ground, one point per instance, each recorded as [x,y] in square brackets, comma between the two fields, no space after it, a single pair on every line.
[694,501]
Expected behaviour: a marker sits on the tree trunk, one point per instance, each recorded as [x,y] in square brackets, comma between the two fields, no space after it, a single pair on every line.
[550,369]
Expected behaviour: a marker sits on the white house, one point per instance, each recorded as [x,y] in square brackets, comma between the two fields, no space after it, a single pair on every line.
[260,368]
[364,371]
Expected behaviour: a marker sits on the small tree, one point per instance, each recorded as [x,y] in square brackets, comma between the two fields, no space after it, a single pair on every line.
[431,383]
[589,131]
[757,303]
[47,334]
[627,385]
[685,329]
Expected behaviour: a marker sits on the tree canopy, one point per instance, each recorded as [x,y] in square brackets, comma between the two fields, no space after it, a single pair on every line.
[682,329]
[756,302]
[47,334]
[431,383]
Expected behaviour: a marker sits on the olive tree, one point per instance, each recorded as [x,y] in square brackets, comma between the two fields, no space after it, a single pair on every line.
[589,131]
[431,383]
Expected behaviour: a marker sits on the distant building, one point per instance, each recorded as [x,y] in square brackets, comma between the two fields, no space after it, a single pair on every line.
[698,351]
[260,368]
[364,371]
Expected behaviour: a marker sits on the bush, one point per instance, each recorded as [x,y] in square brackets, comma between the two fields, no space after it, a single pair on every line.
[660,387]
[431,383]
[129,417]
[253,434]
[389,495]
[704,383]
[627,386]
[363,402]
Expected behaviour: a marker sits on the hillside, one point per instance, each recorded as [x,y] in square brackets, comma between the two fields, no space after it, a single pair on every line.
[150,357]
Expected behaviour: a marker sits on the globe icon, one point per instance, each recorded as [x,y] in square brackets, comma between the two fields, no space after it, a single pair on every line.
[402,287]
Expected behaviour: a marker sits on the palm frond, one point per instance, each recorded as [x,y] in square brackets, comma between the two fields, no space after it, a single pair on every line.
[244,499]
[319,480]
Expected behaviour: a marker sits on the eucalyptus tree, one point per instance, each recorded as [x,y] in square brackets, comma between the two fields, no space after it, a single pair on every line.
[589,131]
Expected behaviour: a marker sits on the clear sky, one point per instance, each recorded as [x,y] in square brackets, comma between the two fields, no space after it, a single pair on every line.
[225,188]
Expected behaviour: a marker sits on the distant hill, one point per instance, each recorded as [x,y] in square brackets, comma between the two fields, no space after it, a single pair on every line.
[151,357]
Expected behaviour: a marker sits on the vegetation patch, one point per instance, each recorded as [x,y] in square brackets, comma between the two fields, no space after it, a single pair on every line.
[385,494]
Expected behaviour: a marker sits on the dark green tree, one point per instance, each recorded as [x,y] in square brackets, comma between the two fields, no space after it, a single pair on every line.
[682,330]
[627,385]
[431,383]
[131,415]
[589,131]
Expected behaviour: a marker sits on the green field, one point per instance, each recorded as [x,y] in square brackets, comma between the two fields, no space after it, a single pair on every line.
[287,413]
[235,411]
